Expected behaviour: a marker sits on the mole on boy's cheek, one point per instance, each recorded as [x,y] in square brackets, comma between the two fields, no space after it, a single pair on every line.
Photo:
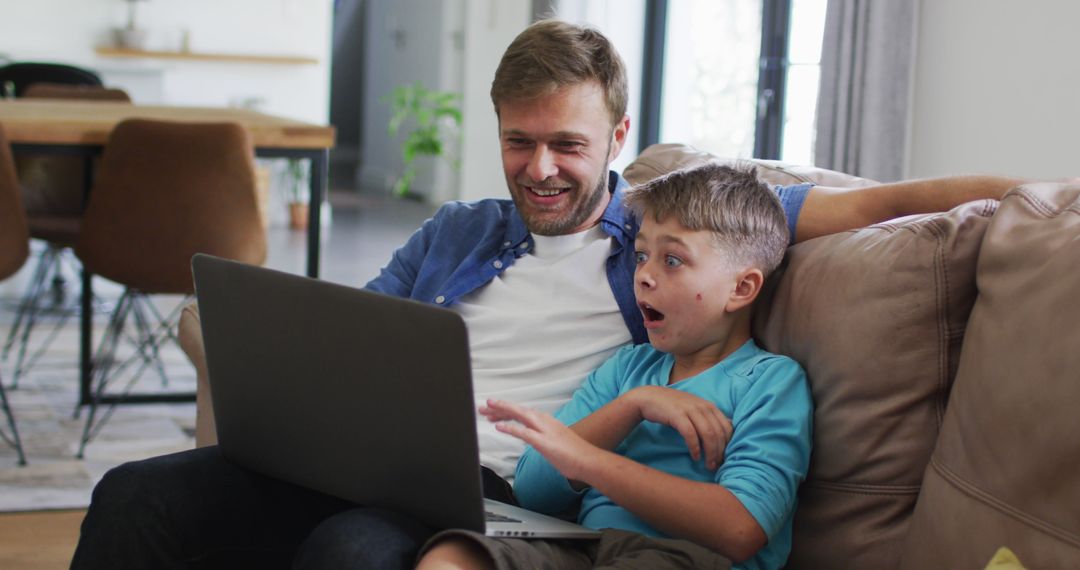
[699,296]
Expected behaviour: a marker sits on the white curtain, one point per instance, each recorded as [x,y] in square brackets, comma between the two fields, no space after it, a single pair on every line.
[867,70]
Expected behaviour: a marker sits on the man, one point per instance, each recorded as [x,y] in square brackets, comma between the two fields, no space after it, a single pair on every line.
[544,283]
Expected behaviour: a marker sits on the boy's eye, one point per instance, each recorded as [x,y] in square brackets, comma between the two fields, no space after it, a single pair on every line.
[672,261]
[640,257]
[517,142]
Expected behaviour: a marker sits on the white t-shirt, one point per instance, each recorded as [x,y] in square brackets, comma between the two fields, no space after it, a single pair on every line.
[538,329]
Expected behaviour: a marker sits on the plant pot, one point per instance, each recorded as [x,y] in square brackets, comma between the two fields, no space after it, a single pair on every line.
[129,38]
[298,215]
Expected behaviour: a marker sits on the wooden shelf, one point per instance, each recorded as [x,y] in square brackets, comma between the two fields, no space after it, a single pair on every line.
[196,56]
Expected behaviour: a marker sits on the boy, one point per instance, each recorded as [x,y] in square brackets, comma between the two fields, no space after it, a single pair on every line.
[645,451]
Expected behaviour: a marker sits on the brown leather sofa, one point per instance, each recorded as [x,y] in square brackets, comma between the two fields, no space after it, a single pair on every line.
[943,353]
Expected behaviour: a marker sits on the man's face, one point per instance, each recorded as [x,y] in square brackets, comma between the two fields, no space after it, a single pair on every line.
[555,154]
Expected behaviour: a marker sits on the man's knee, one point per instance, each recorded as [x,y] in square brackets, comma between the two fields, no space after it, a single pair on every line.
[363,538]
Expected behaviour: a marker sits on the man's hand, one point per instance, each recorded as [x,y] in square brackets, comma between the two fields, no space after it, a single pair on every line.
[699,421]
[567,451]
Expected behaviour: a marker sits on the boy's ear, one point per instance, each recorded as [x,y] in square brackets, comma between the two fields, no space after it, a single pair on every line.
[747,286]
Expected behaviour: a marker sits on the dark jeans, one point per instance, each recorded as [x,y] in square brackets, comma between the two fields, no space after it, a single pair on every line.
[195,509]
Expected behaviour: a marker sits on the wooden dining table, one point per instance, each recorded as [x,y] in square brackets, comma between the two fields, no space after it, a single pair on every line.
[82,128]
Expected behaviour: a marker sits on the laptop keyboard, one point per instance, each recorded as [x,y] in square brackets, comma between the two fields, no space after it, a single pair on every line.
[495,517]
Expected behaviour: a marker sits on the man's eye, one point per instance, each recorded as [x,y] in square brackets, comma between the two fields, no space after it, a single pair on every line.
[672,261]
[640,257]
[567,145]
[517,142]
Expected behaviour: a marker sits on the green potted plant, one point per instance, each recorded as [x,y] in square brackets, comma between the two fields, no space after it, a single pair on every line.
[433,117]
[295,180]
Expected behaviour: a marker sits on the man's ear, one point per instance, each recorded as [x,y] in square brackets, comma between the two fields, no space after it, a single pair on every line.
[747,286]
[618,137]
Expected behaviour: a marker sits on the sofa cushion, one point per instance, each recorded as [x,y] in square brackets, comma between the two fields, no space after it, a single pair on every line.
[659,159]
[875,316]
[1006,471]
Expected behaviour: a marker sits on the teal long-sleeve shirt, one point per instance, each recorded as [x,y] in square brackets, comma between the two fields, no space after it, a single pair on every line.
[767,398]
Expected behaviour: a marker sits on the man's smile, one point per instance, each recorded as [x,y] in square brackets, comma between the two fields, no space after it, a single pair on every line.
[546,191]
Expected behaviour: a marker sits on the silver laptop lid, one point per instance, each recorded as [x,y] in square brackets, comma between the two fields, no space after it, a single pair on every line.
[334,388]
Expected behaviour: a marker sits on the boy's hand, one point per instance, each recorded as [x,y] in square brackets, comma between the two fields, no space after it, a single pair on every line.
[566,450]
[699,421]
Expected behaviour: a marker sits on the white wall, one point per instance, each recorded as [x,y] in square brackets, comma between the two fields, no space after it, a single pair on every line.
[68,30]
[490,26]
[997,89]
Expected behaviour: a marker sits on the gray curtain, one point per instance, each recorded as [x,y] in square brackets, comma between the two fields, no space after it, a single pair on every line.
[867,69]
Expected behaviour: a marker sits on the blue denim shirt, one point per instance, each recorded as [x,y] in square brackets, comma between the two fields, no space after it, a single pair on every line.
[466,244]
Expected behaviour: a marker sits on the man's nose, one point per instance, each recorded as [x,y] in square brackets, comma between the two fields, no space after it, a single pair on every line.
[542,164]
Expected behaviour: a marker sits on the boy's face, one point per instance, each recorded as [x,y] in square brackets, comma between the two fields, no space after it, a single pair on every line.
[555,154]
[683,284]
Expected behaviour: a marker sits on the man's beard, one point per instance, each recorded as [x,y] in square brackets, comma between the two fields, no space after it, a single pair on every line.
[577,216]
[581,212]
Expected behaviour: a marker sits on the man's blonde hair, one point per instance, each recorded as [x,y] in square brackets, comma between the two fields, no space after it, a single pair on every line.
[551,54]
[742,212]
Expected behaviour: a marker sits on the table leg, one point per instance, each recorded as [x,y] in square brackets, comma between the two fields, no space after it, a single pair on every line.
[86,312]
[319,183]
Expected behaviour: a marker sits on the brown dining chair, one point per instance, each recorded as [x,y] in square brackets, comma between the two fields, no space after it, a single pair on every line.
[164,192]
[14,247]
[53,189]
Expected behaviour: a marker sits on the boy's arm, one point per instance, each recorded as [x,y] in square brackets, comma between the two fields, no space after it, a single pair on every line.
[705,513]
[754,491]
[831,210]
[704,428]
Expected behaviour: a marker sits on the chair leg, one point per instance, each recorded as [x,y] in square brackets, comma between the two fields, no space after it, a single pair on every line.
[103,363]
[48,270]
[149,336]
[152,330]
[12,439]
[29,300]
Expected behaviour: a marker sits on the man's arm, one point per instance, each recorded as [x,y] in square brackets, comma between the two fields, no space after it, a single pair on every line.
[398,276]
[831,210]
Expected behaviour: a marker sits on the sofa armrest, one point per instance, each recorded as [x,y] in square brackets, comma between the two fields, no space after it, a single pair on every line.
[191,341]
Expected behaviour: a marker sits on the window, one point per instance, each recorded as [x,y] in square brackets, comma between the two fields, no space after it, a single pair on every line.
[803,77]
[739,77]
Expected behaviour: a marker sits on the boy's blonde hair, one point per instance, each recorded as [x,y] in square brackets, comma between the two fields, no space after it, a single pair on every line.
[742,212]
[551,54]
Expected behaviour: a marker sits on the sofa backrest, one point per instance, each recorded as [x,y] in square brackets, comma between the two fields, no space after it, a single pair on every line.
[1006,471]
[660,159]
[876,317]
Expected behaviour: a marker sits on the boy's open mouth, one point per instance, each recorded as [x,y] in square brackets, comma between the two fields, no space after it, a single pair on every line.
[650,313]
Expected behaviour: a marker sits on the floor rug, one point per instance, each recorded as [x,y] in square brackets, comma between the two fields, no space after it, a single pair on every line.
[43,404]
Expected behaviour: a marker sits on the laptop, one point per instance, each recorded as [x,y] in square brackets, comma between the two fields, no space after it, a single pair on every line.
[352,393]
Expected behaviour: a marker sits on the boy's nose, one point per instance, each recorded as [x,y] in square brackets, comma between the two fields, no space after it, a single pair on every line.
[644,279]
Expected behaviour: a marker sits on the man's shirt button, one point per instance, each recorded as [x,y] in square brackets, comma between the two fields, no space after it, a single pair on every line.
[440,299]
